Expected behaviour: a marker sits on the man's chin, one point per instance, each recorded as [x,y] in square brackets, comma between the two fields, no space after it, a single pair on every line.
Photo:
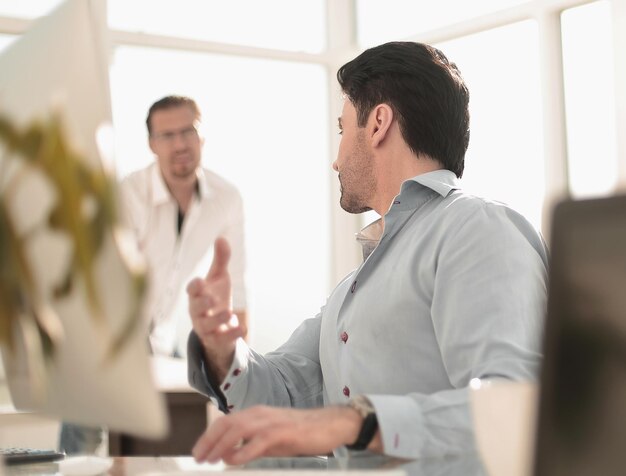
[184,174]
[354,208]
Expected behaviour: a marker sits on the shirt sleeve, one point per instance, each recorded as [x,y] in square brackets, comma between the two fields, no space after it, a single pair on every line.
[291,376]
[488,312]
[134,206]
[127,204]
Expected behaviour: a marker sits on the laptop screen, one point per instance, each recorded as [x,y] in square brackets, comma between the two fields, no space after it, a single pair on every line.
[582,409]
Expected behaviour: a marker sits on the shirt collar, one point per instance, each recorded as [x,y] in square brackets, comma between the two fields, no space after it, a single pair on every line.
[161,193]
[369,237]
[441,181]
[204,191]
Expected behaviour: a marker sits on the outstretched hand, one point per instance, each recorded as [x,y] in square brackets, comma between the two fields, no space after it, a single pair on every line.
[210,308]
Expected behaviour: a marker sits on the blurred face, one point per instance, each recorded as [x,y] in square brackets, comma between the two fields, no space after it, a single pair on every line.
[354,164]
[175,141]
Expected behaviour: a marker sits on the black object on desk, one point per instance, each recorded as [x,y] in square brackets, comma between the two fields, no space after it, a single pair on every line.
[582,411]
[13,456]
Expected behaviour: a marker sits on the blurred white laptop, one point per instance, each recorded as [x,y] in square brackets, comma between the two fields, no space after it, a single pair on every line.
[61,65]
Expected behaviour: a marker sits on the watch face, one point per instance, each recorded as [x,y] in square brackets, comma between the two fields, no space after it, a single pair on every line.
[362,405]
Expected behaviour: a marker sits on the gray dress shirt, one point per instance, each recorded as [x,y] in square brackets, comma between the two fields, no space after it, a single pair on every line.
[455,290]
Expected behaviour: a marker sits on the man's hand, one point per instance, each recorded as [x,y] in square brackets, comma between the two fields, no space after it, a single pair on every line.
[211,312]
[261,431]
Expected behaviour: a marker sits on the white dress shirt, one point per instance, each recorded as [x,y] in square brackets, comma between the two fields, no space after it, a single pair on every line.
[175,258]
[454,289]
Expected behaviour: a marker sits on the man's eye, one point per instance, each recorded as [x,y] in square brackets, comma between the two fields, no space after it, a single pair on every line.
[189,132]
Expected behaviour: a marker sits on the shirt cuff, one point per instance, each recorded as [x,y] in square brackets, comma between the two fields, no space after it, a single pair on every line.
[235,382]
[417,426]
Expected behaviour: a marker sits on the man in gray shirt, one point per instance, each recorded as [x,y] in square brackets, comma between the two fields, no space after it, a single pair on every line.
[452,288]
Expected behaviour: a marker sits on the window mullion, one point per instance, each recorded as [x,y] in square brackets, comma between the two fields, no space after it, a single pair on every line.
[554,124]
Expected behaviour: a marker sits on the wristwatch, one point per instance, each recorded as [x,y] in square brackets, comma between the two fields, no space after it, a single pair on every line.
[370,423]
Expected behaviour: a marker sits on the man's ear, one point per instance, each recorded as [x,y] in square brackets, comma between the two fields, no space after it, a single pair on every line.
[381,119]
[151,144]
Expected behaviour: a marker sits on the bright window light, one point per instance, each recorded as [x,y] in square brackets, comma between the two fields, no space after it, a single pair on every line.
[6,40]
[399,19]
[266,128]
[28,8]
[505,159]
[589,99]
[279,24]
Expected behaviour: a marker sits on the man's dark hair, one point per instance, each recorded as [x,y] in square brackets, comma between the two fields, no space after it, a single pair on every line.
[169,102]
[425,91]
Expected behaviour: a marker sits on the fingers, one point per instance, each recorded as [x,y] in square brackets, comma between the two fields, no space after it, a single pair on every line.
[220,430]
[265,431]
[238,437]
[258,446]
[220,330]
[195,287]
[221,257]
[204,302]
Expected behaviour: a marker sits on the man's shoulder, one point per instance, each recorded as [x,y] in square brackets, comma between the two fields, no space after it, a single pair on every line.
[138,177]
[218,183]
[466,210]
[135,186]
[460,201]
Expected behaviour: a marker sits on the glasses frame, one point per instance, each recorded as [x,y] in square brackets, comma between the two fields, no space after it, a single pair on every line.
[187,135]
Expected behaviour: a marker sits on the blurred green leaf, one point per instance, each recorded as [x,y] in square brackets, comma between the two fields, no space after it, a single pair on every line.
[43,145]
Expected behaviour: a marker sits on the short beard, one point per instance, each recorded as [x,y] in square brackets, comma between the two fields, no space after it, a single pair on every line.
[352,206]
[362,179]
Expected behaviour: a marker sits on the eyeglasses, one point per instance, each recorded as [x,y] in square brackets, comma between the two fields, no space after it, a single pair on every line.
[187,134]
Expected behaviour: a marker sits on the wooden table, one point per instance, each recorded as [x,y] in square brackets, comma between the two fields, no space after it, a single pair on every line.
[188,413]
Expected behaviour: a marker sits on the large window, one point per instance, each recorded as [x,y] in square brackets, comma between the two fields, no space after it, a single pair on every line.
[28,9]
[265,129]
[542,82]
[590,99]
[403,18]
[279,24]
[504,160]
[6,40]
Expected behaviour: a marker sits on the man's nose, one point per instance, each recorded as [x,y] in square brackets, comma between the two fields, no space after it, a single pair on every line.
[179,141]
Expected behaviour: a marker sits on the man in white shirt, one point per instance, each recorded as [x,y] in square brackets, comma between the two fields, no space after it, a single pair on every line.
[177,209]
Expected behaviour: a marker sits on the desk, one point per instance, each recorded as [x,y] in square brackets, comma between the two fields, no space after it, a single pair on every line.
[463,465]
[188,413]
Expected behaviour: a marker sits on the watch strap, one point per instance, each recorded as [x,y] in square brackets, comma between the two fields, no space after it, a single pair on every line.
[370,422]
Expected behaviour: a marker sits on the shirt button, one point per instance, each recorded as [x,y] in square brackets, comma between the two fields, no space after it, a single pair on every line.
[346,391]
[236,372]
[353,287]
[344,337]
[227,386]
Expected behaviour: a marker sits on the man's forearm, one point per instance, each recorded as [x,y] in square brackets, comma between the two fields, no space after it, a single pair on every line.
[217,366]
[200,376]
